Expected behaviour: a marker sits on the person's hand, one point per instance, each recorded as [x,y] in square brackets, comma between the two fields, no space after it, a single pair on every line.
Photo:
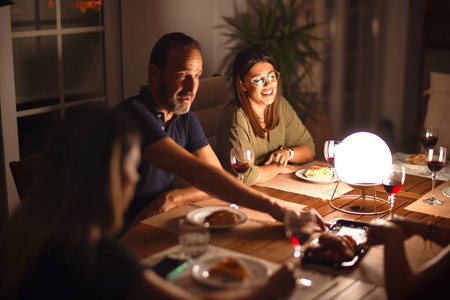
[279,156]
[319,220]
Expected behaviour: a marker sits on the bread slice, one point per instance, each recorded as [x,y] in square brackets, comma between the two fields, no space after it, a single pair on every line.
[230,269]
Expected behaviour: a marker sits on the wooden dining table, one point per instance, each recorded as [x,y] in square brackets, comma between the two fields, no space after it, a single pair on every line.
[268,242]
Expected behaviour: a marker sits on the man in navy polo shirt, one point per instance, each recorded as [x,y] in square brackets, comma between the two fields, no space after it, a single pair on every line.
[174,143]
[162,110]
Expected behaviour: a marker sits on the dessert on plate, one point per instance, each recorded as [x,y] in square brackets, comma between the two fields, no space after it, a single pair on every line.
[230,269]
[222,217]
[318,172]
[417,159]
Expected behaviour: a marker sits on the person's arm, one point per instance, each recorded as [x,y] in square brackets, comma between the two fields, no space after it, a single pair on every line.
[169,156]
[396,268]
[270,171]
[428,231]
[297,137]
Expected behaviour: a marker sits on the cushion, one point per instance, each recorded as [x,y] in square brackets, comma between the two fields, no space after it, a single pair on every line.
[438,110]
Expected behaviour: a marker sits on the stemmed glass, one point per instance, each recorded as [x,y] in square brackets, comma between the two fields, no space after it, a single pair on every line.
[436,157]
[328,151]
[429,137]
[393,183]
[241,160]
[299,226]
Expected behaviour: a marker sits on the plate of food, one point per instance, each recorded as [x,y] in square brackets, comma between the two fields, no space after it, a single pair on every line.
[316,173]
[229,271]
[342,246]
[416,162]
[218,217]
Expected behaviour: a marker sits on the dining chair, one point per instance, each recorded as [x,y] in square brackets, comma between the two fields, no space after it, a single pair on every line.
[208,106]
[23,172]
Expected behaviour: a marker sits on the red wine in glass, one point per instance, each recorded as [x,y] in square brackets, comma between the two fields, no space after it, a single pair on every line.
[435,166]
[239,167]
[392,187]
[429,137]
[393,183]
[330,161]
[429,141]
[436,158]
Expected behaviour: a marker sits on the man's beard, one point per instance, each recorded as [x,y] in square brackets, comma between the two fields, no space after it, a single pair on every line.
[172,104]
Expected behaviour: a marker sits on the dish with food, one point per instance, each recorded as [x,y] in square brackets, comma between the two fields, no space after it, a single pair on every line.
[229,271]
[341,246]
[302,175]
[218,217]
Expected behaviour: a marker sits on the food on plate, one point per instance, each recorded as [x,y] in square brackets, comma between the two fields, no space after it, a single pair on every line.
[318,172]
[222,217]
[230,269]
[333,248]
[417,159]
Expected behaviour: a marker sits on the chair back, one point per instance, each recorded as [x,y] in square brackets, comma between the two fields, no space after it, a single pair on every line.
[23,173]
[211,98]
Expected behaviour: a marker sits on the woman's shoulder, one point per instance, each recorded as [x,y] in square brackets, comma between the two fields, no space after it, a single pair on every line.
[234,111]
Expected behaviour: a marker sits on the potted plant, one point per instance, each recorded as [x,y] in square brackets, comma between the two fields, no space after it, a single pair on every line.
[274,25]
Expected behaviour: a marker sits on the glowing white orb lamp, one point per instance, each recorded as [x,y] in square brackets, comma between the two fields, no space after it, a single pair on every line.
[362,158]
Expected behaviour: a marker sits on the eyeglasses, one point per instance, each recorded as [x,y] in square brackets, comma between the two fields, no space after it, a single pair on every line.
[273,76]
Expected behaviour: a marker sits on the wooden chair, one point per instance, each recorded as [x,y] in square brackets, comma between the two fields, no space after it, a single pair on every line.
[23,173]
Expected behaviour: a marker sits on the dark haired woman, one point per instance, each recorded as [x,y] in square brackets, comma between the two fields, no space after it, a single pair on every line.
[260,119]
[60,243]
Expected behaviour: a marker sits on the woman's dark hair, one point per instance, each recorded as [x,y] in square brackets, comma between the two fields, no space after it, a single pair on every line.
[76,196]
[177,40]
[243,62]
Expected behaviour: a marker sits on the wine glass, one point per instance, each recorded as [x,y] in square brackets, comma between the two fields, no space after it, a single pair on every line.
[436,157]
[299,226]
[328,152]
[241,160]
[429,137]
[393,183]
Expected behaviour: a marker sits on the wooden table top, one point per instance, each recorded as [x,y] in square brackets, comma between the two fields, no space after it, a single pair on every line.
[365,280]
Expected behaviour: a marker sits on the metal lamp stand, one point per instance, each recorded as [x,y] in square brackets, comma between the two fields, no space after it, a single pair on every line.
[360,209]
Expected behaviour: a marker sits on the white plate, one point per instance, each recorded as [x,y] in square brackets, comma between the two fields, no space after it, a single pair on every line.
[301,174]
[198,216]
[199,271]
[403,159]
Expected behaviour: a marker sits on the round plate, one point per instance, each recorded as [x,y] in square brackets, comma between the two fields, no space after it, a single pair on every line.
[403,159]
[301,174]
[199,271]
[198,216]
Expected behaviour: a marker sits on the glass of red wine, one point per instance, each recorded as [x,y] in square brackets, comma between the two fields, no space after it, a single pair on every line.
[429,137]
[329,149]
[241,160]
[436,158]
[393,183]
[299,226]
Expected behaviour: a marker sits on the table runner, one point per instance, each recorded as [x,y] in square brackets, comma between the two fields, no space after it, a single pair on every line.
[435,210]
[291,183]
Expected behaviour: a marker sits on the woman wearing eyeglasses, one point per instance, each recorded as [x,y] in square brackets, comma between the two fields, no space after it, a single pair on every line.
[262,120]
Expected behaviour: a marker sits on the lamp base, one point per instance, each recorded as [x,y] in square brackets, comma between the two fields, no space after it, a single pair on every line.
[374,205]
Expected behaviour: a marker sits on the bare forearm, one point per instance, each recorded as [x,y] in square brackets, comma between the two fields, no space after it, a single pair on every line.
[167,155]
[302,154]
[187,195]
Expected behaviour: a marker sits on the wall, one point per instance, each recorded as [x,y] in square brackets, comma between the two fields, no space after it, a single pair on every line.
[145,21]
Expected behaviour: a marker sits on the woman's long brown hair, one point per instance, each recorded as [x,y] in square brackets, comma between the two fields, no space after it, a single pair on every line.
[243,62]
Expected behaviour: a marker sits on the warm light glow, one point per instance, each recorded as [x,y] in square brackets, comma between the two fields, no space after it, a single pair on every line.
[84,5]
[362,158]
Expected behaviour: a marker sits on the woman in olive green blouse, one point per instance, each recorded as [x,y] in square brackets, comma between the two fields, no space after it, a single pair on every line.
[262,120]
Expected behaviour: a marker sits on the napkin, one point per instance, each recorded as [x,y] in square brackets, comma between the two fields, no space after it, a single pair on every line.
[435,210]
